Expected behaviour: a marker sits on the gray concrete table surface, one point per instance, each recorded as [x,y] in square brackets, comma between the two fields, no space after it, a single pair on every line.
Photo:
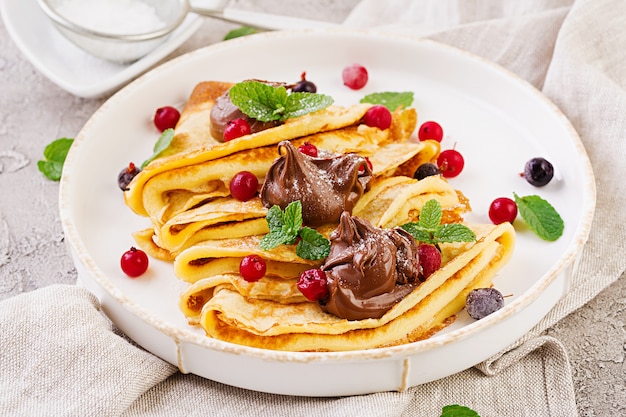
[34,111]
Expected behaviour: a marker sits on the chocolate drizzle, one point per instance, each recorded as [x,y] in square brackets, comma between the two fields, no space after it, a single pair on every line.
[369,269]
[326,187]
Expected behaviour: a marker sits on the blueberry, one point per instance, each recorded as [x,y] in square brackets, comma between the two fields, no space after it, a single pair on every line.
[481,302]
[305,86]
[538,172]
[126,175]
[426,170]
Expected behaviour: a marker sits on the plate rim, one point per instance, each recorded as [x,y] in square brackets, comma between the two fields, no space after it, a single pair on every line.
[570,254]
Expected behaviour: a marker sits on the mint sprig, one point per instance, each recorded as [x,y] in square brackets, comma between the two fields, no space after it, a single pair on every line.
[456,410]
[285,229]
[390,99]
[239,32]
[540,216]
[267,103]
[161,144]
[430,230]
[54,158]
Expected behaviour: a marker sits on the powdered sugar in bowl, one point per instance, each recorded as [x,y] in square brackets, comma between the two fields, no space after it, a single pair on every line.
[120,31]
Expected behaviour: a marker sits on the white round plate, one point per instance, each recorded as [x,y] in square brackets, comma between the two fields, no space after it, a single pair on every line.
[496,120]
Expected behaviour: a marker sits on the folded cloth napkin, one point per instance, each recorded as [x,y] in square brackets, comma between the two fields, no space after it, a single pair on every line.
[73,362]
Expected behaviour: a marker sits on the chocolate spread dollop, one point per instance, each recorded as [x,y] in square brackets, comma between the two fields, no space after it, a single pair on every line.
[223,111]
[369,269]
[325,186]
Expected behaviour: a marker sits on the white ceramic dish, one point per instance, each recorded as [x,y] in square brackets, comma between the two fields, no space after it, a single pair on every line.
[494,119]
[67,65]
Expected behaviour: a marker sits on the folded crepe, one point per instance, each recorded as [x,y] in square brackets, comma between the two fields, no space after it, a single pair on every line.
[240,317]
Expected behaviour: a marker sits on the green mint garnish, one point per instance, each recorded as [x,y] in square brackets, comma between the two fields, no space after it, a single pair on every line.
[285,228]
[239,32]
[267,103]
[391,100]
[540,216]
[161,144]
[430,230]
[456,410]
[54,158]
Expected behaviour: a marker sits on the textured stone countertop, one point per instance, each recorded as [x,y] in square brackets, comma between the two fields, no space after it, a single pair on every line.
[34,111]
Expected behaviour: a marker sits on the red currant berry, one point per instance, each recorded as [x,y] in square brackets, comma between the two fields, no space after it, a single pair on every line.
[355,76]
[134,262]
[378,116]
[252,268]
[308,149]
[312,284]
[430,259]
[502,210]
[450,163]
[244,186]
[430,131]
[236,128]
[166,118]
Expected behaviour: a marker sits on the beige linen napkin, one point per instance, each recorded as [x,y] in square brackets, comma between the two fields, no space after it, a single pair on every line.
[74,363]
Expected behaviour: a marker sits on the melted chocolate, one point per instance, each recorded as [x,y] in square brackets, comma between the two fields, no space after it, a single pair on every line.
[326,187]
[369,269]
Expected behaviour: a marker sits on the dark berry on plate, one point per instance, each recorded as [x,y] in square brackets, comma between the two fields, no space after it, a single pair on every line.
[538,172]
[134,262]
[430,131]
[502,210]
[244,185]
[304,86]
[126,176]
[308,149]
[312,284]
[450,163]
[166,118]
[236,128]
[481,302]
[429,258]
[378,116]
[355,76]
[427,169]
[252,268]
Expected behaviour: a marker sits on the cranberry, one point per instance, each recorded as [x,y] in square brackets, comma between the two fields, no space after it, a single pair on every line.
[134,262]
[252,268]
[430,131]
[369,165]
[430,259]
[312,284]
[244,185]
[236,128]
[502,210]
[450,163]
[308,149]
[166,118]
[378,116]
[355,76]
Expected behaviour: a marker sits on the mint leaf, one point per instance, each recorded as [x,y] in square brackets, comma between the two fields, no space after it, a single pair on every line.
[275,239]
[266,103]
[456,410]
[430,230]
[312,245]
[431,215]
[454,232]
[540,216]
[391,100]
[275,219]
[242,31]
[161,144]
[286,226]
[54,158]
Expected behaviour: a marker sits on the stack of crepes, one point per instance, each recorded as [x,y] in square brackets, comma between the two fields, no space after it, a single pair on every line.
[206,232]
